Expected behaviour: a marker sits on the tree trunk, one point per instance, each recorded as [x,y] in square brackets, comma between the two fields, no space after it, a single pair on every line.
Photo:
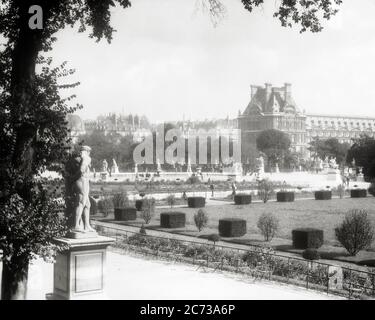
[14,279]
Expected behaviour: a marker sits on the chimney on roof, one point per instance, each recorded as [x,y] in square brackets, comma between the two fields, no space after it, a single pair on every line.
[268,90]
[253,90]
[287,90]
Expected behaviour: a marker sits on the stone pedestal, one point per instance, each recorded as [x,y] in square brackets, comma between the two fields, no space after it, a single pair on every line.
[360,177]
[79,271]
[104,176]
[334,175]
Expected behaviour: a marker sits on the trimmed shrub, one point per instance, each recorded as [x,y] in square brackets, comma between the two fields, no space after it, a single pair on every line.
[196,202]
[201,219]
[265,190]
[323,195]
[306,238]
[139,204]
[242,199]
[356,232]
[268,225]
[193,180]
[172,220]
[371,189]
[285,196]
[358,193]
[125,214]
[105,205]
[311,254]
[232,227]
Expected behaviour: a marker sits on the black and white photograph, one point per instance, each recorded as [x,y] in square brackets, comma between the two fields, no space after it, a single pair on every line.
[187,155]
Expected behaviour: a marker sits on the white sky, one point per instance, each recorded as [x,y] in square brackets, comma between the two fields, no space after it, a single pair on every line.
[166,61]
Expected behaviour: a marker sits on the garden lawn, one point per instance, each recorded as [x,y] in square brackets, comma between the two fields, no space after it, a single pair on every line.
[321,214]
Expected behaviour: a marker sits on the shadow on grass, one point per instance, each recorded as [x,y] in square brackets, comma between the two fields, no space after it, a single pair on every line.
[367,263]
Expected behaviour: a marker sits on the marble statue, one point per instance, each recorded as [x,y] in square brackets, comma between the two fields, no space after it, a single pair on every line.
[277,170]
[333,164]
[260,165]
[104,166]
[77,192]
[189,167]
[114,168]
[136,168]
[158,165]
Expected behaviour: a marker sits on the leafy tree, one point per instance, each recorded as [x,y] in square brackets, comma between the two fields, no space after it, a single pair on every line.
[105,205]
[32,114]
[274,144]
[148,209]
[356,232]
[110,146]
[268,225]
[265,190]
[171,200]
[329,148]
[363,152]
[201,219]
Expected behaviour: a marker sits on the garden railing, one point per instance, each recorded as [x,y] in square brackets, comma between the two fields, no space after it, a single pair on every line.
[256,261]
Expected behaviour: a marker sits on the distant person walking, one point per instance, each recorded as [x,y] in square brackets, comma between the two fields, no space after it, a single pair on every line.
[234,189]
[212,187]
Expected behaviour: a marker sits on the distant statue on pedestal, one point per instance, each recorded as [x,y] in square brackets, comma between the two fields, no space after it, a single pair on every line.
[188,170]
[333,164]
[158,165]
[77,177]
[114,168]
[104,166]
[277,170]
[260,165]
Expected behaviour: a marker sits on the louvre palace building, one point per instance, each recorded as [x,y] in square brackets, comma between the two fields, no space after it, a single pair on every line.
[274,108]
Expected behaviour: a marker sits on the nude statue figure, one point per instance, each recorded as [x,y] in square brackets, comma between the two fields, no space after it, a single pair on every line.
[78,191]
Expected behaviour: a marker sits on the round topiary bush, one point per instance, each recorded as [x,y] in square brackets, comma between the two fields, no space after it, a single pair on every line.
[232,227]
[311,254]
[240,199]
[305,238]
[196,202]
[358,193]
[285,196]
[323,195]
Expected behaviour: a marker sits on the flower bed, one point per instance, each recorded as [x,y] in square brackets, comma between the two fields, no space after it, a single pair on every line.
[299,272]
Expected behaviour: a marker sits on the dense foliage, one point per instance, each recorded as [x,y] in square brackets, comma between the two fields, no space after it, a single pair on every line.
[363,153]
[274,144]
[329,148]
[268,225]
[356,232]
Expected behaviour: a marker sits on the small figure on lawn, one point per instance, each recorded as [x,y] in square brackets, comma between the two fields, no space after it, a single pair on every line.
[234,189]
[212,187]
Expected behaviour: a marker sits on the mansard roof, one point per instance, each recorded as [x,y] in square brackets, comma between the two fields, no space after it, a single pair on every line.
[270,99]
